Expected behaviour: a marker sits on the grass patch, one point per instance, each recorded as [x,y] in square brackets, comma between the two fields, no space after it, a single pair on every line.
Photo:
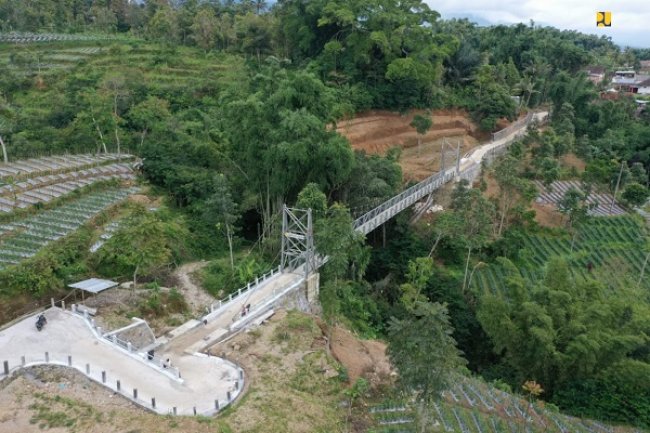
[63,412]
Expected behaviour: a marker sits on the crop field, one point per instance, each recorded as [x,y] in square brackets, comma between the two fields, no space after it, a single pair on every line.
[31,38]
[473,406]
[47,57]
[601,202]
[28,182]
[24,237]
[613,247]
[161,68]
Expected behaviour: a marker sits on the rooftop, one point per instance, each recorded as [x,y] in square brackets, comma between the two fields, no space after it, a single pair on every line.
[94,285]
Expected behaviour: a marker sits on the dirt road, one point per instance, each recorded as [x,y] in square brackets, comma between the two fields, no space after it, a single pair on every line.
[196,297]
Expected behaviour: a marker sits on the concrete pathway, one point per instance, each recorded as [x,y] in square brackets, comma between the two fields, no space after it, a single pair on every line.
[219,322]
[204,379]
[206,382]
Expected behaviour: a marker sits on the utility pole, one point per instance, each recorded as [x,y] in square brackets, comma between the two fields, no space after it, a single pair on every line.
[618,183]
[458,159]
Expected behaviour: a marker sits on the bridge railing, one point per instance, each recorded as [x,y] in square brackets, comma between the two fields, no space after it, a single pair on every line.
[223,303]
[513,127]
[407,193]
[419,190]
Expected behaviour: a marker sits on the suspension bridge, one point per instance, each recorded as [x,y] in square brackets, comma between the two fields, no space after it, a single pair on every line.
[300,262]
[74,340]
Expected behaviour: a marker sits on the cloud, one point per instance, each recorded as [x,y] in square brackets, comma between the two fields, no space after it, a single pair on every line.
[630,18]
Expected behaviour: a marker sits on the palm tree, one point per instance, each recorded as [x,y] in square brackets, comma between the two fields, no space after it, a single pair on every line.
[527,87]
[260,5]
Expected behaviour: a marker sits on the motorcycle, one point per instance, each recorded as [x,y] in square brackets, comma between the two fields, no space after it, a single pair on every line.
[40,322]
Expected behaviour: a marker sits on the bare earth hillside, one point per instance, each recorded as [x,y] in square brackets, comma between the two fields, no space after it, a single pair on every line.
[376,132]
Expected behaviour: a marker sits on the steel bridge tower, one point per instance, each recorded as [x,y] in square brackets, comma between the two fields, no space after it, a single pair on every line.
[298,241]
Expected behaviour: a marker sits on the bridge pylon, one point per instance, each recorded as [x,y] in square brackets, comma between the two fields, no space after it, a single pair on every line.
[298,241]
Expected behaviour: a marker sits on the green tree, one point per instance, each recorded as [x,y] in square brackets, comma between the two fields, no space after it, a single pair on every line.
[220,210]
[140,246]
[204,28]
[253,35]
[561,329]
[278,135]
[635,194]
[311,197]
[150,114]
[163,26]
[424,352]
[421,124]
[476,214]
[574,205]
[513,189]
[446,224]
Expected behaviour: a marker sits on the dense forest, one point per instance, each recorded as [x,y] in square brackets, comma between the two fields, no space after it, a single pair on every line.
[233,106]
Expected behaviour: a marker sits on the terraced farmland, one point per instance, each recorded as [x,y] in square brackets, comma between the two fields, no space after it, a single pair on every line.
[30,38]
[29,182]
[613,247]
[162,70]
[24,237]
[47,58]
[472,406]
[602,203]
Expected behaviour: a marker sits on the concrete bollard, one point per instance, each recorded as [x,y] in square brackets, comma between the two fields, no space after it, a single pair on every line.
[229,396]
[88,369]
[135,394]
[22,361]
[73,308]
[6,367]
[129,347]
[92,322]
[47,356]
[119,386]
[103,377]
[63,305]
[69,361]
[174,410]
[153,402]
[99,330]
[216,404]
[52,302]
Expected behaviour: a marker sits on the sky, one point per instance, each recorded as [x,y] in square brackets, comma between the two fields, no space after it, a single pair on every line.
[630,18]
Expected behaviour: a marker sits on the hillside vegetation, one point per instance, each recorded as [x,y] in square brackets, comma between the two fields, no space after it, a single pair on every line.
[233,108]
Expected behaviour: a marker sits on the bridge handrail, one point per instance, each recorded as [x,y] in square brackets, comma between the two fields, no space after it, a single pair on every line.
[156,362]
[443,176]
[359,222]
[513,127]
[398,198]
[223,303]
